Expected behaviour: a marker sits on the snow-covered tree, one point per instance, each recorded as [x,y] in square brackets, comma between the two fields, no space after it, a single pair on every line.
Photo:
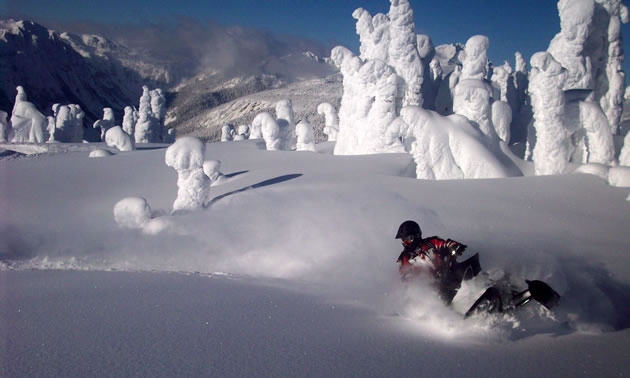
[567,47]
[265,126]
[104,124]
[472,99]
[6,132]
[147,129]
[117,137]
[624,157]
[446,147]
[19,97]
[475,64]
[369,102]
[595,143]
[187,156]
[501,119]
[227,132]
[77,115]
[426,51]
[331,127]
[552,150]
[391,38]
[403,52]
[607,56]
[68,126]
[255,132]
[242,133]
[28,124]
[158,104]
[129,121]
[286,124]
[305,137]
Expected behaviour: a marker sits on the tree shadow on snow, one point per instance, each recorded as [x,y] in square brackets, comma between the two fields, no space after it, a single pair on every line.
[234,174]
[261,184]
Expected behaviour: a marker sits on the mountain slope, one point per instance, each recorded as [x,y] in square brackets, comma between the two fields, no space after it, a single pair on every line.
[66,68]
[304,95]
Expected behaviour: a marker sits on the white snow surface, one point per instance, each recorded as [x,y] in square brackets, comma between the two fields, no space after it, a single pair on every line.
[290,269]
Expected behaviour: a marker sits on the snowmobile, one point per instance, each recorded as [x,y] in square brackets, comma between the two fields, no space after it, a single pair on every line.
[499,297]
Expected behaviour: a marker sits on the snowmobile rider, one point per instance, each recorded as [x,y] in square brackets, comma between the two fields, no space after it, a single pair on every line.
[435,256]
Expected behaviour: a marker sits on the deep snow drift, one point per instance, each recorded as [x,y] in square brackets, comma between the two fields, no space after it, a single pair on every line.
[320,226]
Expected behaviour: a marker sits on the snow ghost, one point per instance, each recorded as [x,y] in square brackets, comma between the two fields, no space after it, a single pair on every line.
[551,151]
[148,125]
[106,123]
[305,138]
[68,126]
[6,133]
[116,137]
[567,47]
[186,156]
[265,126]
[158,104]
[369,103]
[331,127]
[227,133]
[212,169]
[129,121]
[446,147]
[77,115]
[255,131]
[132,212]
[28,124]
[472,100]
[501,119]
[391,38]
[145,101]
[286,124]
[598,144]
[475,64]
[19,97]
[624,157]
[147,129]
[242,133]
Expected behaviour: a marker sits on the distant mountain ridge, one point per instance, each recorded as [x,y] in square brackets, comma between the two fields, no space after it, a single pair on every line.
[64,68]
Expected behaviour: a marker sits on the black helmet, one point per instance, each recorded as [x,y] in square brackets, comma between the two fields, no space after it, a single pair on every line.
[408,228]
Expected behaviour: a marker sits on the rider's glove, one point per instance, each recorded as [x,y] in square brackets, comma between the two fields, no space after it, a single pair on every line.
[455,247]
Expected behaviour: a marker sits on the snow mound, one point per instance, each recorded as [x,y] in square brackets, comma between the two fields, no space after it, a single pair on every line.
[132,212]
[100,153]
[619,176]
[212,169]
[595,169]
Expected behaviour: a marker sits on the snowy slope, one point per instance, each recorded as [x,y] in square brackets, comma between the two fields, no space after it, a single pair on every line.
[245,100]
[291,269]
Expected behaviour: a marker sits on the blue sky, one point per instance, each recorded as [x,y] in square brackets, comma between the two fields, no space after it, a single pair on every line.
[526,25]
